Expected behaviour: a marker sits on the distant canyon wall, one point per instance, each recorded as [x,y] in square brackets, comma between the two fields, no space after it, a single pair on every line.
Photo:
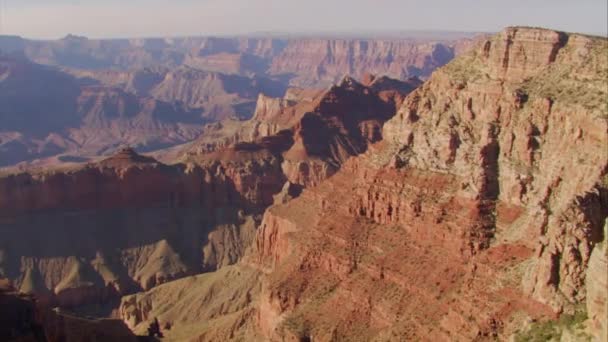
[299,61]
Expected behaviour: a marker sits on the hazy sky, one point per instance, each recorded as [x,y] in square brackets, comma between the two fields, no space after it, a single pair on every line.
[136,18]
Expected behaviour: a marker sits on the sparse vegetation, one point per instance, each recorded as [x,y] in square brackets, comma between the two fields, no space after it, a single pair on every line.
[464,69]
[552,330]
[297,326]
[576,83]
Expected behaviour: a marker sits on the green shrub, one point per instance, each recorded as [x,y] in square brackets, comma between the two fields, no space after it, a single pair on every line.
[552,330]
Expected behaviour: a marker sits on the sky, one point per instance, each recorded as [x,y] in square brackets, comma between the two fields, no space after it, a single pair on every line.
[49,19]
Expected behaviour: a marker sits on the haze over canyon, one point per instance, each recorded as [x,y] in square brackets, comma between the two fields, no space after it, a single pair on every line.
[448,187]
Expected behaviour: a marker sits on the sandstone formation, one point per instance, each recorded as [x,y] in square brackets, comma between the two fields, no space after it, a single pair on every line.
[481,211]
[468,218]
[476,212]
[314,132]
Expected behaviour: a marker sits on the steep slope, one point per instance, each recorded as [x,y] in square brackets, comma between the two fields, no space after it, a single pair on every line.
[216,306]
[315,134]
[346,120]
[468,221]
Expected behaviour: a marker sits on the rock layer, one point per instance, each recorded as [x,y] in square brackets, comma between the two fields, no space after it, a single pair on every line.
[467,218]
[89,233]
[301,61]
[128,223]
[312,136]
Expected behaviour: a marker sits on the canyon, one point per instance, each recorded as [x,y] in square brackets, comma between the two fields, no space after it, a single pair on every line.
[89,97]
[470,206]
[128,223]
[468,221]
[301,60]
[69,116]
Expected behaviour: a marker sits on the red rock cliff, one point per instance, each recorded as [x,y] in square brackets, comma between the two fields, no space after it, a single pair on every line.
[481,207]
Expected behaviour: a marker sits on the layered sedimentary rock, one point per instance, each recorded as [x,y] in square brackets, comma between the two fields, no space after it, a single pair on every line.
[477,211]
[478,216]
[301,61]
[468,222]
[271,116]
[95,95]
[126,223]
[215,96]
[317,61]
[312,132]
[89,233]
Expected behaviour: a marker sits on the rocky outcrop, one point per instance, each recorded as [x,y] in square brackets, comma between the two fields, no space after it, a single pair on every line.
[467,219]
[315,135]
[129,223]
[140,223]
[271,116]
[460,218]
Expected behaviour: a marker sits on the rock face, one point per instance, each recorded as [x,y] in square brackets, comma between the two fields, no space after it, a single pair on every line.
[317,61]
[314,134]
[467,218]
[478,207]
